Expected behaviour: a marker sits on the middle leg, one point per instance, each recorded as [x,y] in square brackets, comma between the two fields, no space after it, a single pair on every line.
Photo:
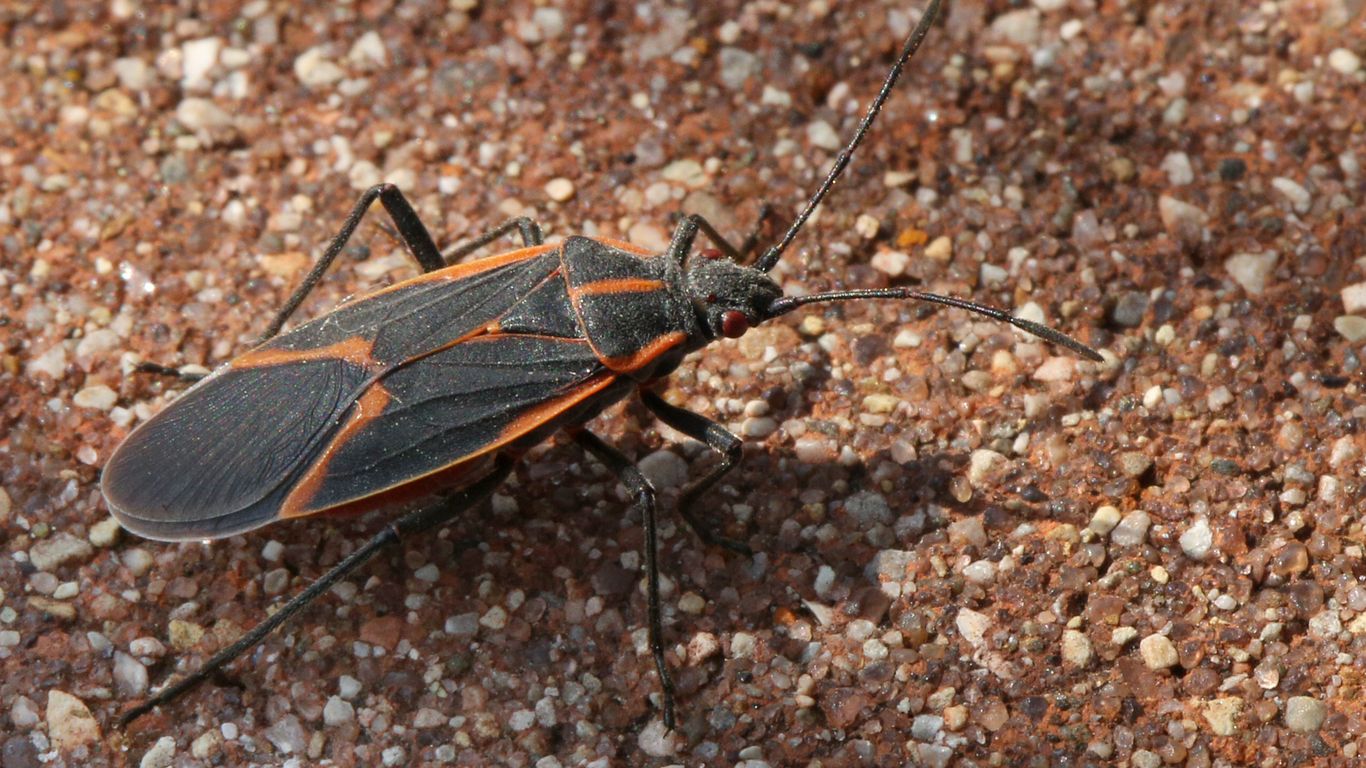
[730,447]
[630,476]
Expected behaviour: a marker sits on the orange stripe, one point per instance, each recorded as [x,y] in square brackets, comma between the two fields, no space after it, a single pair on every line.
[519,426]
[355,350]
[468,269]
[367,409]
[643,356]
[619,285]
[622,245]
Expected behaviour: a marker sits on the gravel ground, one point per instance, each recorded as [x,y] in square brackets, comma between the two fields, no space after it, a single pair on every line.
[972,550]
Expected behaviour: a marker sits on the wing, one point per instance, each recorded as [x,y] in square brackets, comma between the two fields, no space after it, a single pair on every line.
[451,407]
[244,445]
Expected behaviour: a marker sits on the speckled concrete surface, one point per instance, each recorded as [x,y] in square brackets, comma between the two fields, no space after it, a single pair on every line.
[973,551]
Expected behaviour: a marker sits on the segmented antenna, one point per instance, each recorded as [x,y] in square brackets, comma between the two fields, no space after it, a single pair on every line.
[773,254]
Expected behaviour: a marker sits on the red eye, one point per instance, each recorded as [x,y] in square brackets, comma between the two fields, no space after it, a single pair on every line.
[711,254]
[734,324]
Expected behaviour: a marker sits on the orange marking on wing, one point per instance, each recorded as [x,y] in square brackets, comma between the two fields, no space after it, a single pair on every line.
[447,476]
[453,477]
[366,409]
[642,356]
[354,350]
[470,268]
[541,414]
[619,285]
[622,245]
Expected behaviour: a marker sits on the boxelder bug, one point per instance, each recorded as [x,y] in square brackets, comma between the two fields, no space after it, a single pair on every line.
[443,380]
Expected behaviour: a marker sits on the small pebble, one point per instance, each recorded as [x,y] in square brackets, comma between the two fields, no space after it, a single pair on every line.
[1177,166]
[1344,61]
[69,721]
[559,189]
[104,533]
[98,397]
[146,647]
[1158,652]
[926,727]
[315,70]
[702,646]
[940,249]
[1251,270]
[1104,519]
[742,645]
[1055,369]
[656,740]
[867,226]
[869,508]
[1354,298]
[495,618]
[982,465]
[1298,196]
[664,469]
[1222,715]
[1304,714]
[972,626]
[691,603]
[891,263]
[1019,27]
[23,713]
[57,550]
[980,572]
[758,428]
[1197,540]
[1350,327]
[1076,648]
[822,134]
[206,745]
[161,755]
[130,675]
[1132,530]
[272,551]
[1129,309]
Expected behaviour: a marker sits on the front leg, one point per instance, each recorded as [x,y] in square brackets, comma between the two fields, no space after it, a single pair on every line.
[644,494]
[717,438]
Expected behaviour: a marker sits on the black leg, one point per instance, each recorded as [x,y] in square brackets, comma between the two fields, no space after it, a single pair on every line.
[692,224]
[752,239]
[686,233]
[644,494]
[528,229]
[166,370]
[718,439]
[412,523]
[410,230]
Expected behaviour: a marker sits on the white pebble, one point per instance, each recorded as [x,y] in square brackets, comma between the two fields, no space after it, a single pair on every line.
[972,626]
[1251,270]
[1158,652]
[161,755]
[1354,298]
[1197,540]
[1177,166]
[559,189]
[823,135]
[1344,61]
[1298,196]
[315,70]
[98,397]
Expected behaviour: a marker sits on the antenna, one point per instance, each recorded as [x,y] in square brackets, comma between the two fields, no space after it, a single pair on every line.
[785,304]
[773,254]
